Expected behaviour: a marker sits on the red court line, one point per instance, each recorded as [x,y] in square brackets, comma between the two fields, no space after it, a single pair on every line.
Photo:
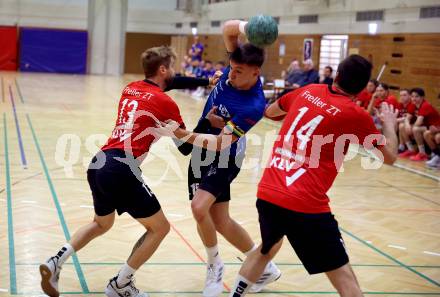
[194,251]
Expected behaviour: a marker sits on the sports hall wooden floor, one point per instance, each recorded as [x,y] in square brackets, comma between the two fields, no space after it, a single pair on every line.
[390,218]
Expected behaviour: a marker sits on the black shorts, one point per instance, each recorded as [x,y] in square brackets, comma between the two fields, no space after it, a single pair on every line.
[314,237]
[118,186]
[215,178]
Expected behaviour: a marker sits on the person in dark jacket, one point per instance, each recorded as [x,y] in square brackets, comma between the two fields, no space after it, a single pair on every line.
[327,79]
[309,75]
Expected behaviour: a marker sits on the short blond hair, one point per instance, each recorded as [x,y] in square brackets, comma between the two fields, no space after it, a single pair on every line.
[154,57]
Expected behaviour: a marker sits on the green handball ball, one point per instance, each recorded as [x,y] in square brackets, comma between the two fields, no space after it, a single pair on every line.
[261,30]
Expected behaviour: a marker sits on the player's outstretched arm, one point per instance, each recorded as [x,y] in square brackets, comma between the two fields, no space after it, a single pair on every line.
[203,126]
[207,141]
[274,111]
[185,82]
[231,31]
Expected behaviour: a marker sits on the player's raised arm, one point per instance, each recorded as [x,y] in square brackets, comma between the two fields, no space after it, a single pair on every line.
[261,31]
[231,31]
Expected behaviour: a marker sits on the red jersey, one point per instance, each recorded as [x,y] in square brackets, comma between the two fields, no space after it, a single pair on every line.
[141,106]
[364,97]
[311,147]
[390,100]
[409,108]
[431,116]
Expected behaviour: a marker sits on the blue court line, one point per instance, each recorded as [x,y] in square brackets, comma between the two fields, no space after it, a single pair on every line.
[12,268]
[391,258]
[17,125]
[19,91]
[75,260]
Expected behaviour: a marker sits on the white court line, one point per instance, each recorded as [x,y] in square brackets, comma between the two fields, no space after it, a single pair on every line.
[3,200]
[62,204]
[175,215]
[425,174]
[131,224]
[275,124]
[86,206]
[397,247]
[3,290]
[431,253]
[29,201]
[368,241]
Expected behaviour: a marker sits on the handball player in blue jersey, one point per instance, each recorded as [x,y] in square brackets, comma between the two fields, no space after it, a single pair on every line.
[233,107]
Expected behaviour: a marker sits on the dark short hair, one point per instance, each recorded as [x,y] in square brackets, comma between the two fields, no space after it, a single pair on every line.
[208,61]
[154,57]
[384,86]
[329,68]
[221,63]
[248,54]
[353,74]
[419,91]
[405,90]
[374,81]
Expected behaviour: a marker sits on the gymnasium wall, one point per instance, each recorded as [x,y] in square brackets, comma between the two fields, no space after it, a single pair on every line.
[415,61]
[136,43]
[334,16]
[147,16]
[64,14]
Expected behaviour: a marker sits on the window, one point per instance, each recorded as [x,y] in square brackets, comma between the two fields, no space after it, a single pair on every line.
[308,19]
[370,15]
[333,51]
[430,12]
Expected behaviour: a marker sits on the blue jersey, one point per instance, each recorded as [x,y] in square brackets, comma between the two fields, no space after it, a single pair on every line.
[194,47]
[241,109]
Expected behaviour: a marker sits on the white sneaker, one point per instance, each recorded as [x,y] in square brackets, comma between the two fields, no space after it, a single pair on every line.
[129,290]
[270,274]
[434,162]
[50,274]
[214,280]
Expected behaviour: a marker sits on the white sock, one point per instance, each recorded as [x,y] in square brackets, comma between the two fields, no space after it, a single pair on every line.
[422,149]
[125,275]
[401,146]
[410,146]
[254,247]
[213,254]
[64,253]
[241,287]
